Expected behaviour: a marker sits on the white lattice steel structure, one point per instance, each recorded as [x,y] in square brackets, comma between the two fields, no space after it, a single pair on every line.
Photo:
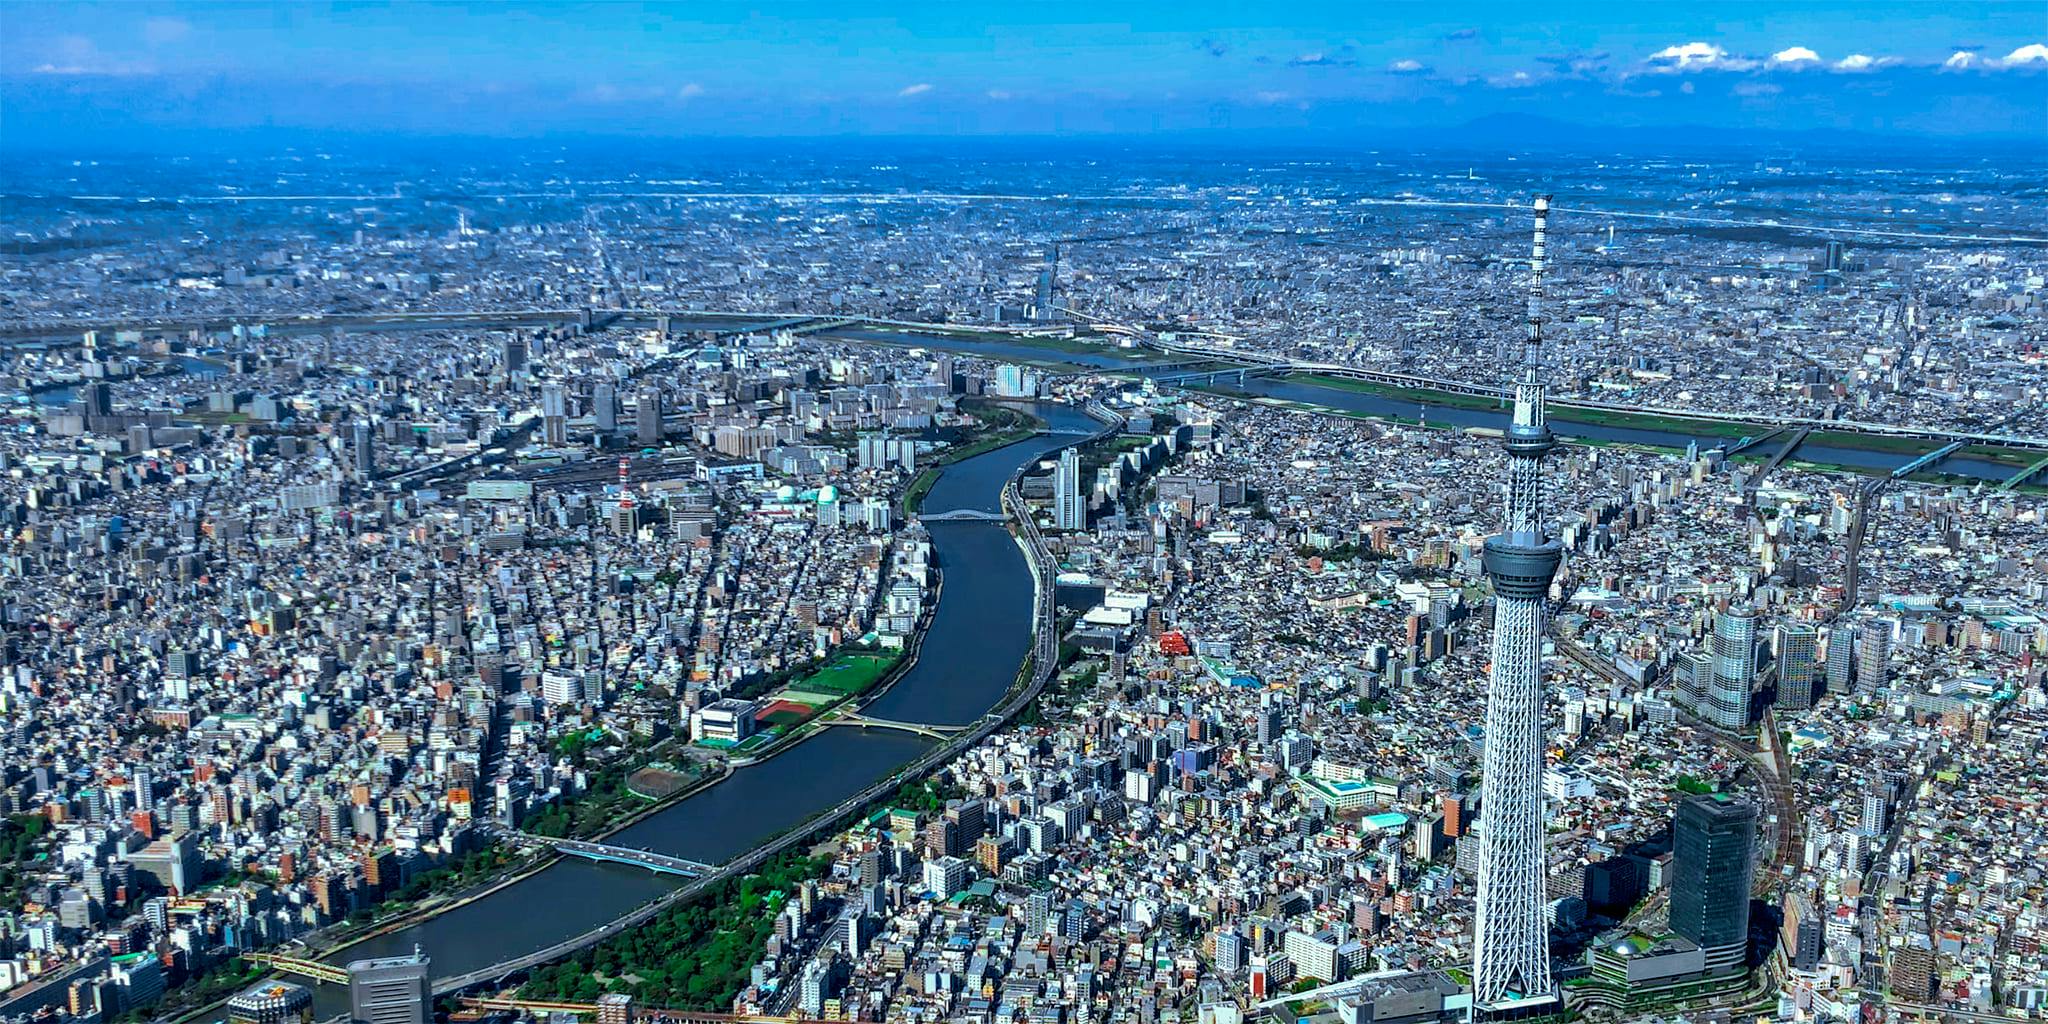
[1511,939]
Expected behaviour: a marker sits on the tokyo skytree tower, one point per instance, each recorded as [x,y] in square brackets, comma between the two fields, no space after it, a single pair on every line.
[1511,938]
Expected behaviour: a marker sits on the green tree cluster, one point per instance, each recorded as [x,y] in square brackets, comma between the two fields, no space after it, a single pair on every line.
[694,956]
[20,837]
[926,796]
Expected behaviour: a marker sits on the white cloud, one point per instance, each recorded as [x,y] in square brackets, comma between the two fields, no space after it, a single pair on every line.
[1517,80]
[1689,55]
[1408,66]
[690,91]
[1794,55]
[915,90]
[1857,62]
[1961,59]
[2032,53]
[1698,56]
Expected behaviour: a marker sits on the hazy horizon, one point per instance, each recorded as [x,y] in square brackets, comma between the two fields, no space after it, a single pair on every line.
[167,75]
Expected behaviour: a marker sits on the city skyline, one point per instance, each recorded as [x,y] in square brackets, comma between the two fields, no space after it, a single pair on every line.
[1164,515]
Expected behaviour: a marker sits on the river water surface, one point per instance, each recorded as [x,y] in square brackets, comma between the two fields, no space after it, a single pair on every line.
[979,635]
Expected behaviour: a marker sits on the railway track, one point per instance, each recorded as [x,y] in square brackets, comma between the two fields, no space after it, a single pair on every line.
[1763,764]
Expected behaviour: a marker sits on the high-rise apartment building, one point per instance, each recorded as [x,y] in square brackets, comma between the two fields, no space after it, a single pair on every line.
[647,415]
[1727,703]
[1070,506]
[1798,664]
[365,450]
[1875,816]
[554,414]
[1873,652]
[1841,659]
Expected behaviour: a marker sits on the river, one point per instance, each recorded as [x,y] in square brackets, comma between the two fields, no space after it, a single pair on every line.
[978,636]
[1369,404]
[192,366]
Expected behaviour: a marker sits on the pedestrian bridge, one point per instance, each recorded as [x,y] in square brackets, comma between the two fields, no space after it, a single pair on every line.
[962,515]
[936,732]
[657,862]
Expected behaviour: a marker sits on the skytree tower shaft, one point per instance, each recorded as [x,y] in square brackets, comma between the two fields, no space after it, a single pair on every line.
[1511,939]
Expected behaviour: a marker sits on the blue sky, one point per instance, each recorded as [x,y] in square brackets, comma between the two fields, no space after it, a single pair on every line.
[1331,72]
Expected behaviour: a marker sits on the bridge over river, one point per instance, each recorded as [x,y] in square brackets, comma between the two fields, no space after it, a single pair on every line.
[962,515]
[657,862]
[929,731]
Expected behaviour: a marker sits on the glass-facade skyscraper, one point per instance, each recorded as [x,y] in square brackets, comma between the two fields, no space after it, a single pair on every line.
[1713,853]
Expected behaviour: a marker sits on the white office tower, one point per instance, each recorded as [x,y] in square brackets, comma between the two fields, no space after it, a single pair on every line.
[391,990]
[1070,505]
[1511,937]
[554,414]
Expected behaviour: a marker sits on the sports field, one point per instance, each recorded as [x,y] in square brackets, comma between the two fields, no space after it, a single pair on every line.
[785,712]
[847,674]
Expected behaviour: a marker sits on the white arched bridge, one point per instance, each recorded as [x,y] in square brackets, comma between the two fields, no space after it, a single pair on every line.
[962,515]
[927,730]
